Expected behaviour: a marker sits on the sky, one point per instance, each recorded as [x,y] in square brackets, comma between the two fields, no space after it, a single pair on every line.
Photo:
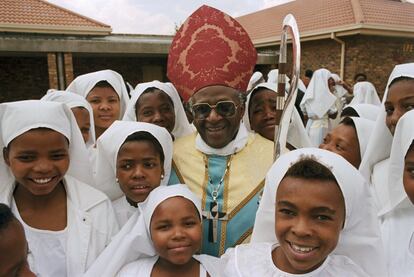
[155,16]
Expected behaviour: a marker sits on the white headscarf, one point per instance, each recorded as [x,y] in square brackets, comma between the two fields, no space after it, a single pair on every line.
[339,89]
[297,135]
[256,79]
[363,128]
[367,111]
[379,146]
[318,99]
[273,77]
[83,84]
[16,118]
[73,100]
[134,240]
[365,93]
[182,127]
[108,145]
[360,237]
[403,137]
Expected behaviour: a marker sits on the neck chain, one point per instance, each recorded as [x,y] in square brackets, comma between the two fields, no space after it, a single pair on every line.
[216,189]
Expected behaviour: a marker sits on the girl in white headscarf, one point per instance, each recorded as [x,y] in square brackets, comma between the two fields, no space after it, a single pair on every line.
[398,221]
[138,250]
[133,159]
[334,230]
[261,116]
[159,103]
[318,104]
[367,111]
[365,93]
[44,177]
[349,139]
[80,108]
[398,99]
[105,90]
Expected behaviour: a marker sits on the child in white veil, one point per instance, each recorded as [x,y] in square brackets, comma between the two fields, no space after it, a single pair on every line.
[135,252]
[358,251]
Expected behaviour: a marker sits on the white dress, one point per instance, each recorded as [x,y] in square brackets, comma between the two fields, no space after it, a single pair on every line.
[397,234]
[123,210]
[255,259]
[379,179]
[143,267]
[43,244]
[317,128]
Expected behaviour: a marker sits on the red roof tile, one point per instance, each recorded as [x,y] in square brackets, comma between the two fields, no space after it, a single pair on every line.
[317,15]
[41,13]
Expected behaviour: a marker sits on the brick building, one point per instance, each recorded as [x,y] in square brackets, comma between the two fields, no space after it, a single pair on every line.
[344,36]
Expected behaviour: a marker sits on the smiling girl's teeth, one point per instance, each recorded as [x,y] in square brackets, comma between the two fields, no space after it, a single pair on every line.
[139,187]
[302,249]
[42,181]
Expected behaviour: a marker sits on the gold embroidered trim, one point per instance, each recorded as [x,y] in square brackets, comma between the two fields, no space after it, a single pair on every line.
[222,248]
[177,172]
[246,200]
[244,236]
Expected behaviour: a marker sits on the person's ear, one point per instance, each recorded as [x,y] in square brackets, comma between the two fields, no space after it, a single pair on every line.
[6,156]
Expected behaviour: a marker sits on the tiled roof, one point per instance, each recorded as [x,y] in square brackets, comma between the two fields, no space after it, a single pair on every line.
[318,16]
[39,14]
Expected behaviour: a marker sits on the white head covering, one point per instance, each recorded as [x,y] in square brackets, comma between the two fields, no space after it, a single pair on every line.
[273,77]
[339,89]
[297,135]
[83,84]
[403,137]
[134,240]
[318,99]
[379,145]
[367,111]
[108,146]
[256,79]
[73,100]
[365,93]
[19,117]
[363,128]
[360,237]
[182,127]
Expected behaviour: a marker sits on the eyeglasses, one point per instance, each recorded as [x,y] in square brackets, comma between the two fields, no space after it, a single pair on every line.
[223,108]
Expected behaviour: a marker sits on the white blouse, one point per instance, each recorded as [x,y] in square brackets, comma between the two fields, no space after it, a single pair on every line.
[47,249]
[255,259]
[123,210]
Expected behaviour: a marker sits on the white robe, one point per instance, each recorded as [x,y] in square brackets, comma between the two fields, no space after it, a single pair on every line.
[91,223]
[255,259]
[123,210]
[143,267]
[397,234]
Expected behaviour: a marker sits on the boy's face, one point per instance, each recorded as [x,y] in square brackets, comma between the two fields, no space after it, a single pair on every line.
[176,230]
[400,99]
[13,251]
[309,217]
[343,141]
[138,169]
[157,108]
[84,121]
[408,176]
[38,160]
[263,115]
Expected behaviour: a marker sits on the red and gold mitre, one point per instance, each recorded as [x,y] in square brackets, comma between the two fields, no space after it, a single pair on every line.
[211,48]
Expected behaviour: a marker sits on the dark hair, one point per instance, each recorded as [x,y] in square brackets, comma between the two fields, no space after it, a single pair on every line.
[348,122]
[360,75]
[349,111]
[411,147]
[103,84]
[154,89]
[308,73]
[145,136]
[400,79]
[309,168]
[6,216]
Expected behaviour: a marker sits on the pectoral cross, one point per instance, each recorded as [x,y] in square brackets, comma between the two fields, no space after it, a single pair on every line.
[213,215]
